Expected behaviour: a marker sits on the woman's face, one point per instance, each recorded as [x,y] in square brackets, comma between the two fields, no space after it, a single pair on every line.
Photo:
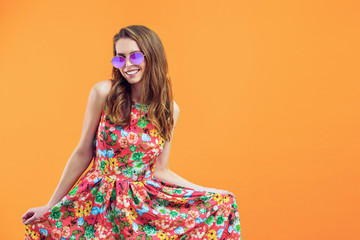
[131,72]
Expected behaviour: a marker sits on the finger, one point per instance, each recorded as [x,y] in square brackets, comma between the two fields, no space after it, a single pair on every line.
[27,215]
[30,220]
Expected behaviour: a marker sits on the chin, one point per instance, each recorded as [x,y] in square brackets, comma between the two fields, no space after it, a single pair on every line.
[133,81]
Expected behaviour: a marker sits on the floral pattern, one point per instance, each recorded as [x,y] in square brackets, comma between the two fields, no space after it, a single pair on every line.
[119,198]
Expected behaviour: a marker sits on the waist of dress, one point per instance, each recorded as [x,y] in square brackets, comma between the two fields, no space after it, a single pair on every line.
[123,178]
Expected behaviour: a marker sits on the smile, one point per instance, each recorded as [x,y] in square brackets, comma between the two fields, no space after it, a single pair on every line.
[132,72]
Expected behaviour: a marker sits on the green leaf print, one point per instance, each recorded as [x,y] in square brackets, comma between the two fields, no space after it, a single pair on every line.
[138,165]
[66,214]
[198,207]
[110,120]
[137,156]
[112,143]
[86,225]
[94,191]
[220,220]
[105,135]
[148,237]
[55,209]
[90,232]
[76,232]
[178,191]
[209,220]
[124,159]
[204,210]
[111,217]
[116,229]
[150,230]
[102,165]
[136,200]
[142,122]
[173,213]
[58,224]
[55,215]
[144,146]
[127,171]
[207,204]
[205,198]
[168,192]
[139,237]
[122,225]
[72,192]
[82,237]
[100,198]
[163,202]
[69,204]
[184,237]
[114,137]
[132,148]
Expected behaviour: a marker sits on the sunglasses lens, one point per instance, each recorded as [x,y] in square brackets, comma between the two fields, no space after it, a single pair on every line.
[137,58]
[118,62]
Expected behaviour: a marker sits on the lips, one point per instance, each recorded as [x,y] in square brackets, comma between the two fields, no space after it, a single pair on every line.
[132,72]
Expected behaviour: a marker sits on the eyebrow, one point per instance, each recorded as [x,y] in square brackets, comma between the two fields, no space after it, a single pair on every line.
[121,54]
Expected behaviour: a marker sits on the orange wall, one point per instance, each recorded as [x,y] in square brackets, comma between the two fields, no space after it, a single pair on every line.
[268,92]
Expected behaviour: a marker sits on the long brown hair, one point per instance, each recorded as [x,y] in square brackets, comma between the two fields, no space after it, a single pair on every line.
[156,87]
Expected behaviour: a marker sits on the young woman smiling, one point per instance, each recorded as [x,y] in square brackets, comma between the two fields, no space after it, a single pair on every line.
[130,192]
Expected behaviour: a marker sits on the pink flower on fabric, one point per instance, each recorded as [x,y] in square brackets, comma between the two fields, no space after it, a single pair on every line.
[132,138]
[142,193]
[190,222]
[56,234]
[123,142]
[194,214]
[66,232]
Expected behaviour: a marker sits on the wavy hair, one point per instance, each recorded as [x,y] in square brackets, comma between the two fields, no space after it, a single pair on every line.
[156,87]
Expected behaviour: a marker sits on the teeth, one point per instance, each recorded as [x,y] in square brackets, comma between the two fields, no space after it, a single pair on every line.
[132,72]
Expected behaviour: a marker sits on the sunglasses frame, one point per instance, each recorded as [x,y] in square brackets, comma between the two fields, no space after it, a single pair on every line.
[125,57]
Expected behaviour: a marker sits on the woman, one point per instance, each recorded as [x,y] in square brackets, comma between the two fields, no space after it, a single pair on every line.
[129,192]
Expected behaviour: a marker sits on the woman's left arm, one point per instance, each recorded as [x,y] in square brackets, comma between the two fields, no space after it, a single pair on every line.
[163,173]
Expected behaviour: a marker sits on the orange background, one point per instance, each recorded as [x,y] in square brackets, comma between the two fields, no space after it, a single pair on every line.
[268,92]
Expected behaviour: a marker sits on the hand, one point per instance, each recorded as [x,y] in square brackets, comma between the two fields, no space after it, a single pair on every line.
[223,192]
[34,214]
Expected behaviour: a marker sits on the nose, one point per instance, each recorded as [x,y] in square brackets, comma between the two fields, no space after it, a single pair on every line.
[127,62]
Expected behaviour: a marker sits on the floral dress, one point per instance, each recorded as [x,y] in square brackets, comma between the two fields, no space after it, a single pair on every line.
[119,198]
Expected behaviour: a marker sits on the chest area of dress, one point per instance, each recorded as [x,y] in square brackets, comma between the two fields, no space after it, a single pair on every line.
[140,138]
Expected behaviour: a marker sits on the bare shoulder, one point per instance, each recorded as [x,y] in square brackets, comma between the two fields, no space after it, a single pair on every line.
[176,108]
[176,112]
[102,88]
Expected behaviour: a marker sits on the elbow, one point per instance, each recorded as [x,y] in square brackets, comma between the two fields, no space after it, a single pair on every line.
[84,152]
[159,173]
[84,148]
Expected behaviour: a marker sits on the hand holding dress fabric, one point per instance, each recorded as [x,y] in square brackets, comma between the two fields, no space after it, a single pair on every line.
[34,214]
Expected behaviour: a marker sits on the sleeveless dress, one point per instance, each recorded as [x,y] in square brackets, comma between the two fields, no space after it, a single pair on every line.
[119,198]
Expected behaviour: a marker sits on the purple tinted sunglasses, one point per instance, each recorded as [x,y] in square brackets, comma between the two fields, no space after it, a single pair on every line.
[136,58]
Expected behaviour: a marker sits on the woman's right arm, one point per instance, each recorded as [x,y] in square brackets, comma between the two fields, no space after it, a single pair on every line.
[83,153]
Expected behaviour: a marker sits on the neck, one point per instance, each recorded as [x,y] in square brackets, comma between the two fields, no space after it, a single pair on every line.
[136,91]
